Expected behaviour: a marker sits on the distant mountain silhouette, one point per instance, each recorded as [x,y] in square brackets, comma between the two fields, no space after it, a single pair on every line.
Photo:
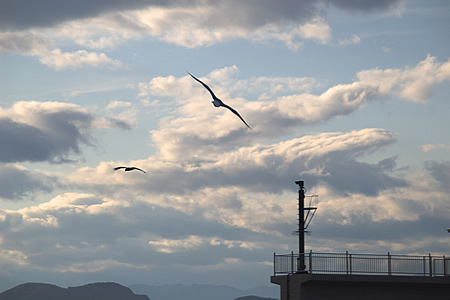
[92,291]
[204,292]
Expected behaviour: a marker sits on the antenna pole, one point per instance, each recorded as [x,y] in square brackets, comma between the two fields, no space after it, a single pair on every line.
[301,227]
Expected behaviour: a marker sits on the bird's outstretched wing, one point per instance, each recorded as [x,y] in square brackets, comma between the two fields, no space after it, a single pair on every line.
[135,168]
[129,169]
[220,101]
[206,87]
[236,113]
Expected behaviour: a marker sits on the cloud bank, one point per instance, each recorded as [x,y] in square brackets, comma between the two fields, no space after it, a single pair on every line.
[216,130]
[34,29]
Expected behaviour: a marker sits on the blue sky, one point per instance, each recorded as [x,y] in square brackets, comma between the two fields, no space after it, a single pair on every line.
[351,97]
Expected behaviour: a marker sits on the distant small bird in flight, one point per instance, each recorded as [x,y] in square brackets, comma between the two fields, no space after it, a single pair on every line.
[217,102]
[129,169]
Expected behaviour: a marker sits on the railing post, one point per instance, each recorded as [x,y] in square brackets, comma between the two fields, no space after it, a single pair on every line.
[430,264]
[274,268]
[351,265]
[346,262]
[389,264]
[424,266]
[292,263]
[445,270]
[310,262]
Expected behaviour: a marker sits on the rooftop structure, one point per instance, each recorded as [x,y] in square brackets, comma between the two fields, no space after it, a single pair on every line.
[312,275]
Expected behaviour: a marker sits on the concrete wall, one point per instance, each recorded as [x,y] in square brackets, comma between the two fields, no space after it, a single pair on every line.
[357,287]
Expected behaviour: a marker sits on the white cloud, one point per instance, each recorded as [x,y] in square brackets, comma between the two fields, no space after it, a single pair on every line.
[413,84]
[221,130]
[432,147]
[34,44]
[23,43]
[354,40]
[59,60]
[118,104]
[195,25]
[317,29]
[171,246]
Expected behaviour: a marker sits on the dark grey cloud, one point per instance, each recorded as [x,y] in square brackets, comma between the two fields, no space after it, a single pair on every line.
[348,176]
[21,142]
[364,6]
[122,124]
[252,15]
[440,171]
[328,158]
[365,234]
[61,134]
[18,184]
[48,131]
[23,14]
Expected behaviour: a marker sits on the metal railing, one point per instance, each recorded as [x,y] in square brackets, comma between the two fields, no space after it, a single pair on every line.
[362,264]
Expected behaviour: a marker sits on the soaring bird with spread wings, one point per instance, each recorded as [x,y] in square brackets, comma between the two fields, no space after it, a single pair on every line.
[128,169]
[217,102]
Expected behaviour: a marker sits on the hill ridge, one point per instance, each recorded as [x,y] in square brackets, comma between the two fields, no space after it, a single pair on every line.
[90,291]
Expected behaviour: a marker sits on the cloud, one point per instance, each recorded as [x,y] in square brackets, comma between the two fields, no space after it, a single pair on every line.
[23,43]
[37,29]
[328,158]
[24,14]
[394,6]
[351,41]
[124,120]
[171,246]
[440,170]
[45,131]
[46,237]
[50,13]
[205,24]
[104,24]
[59,60]
[414,84]
[239,204]
[29,43]
[18,183]
[431,147]
[118,104]
[217,129]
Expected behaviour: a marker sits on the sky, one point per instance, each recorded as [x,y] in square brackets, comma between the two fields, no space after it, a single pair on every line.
[352,97]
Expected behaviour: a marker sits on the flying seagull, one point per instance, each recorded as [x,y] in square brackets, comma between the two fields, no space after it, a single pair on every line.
[128,169]
[217,102]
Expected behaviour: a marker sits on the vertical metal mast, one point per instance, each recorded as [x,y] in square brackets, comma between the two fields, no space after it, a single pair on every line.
[301,227]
